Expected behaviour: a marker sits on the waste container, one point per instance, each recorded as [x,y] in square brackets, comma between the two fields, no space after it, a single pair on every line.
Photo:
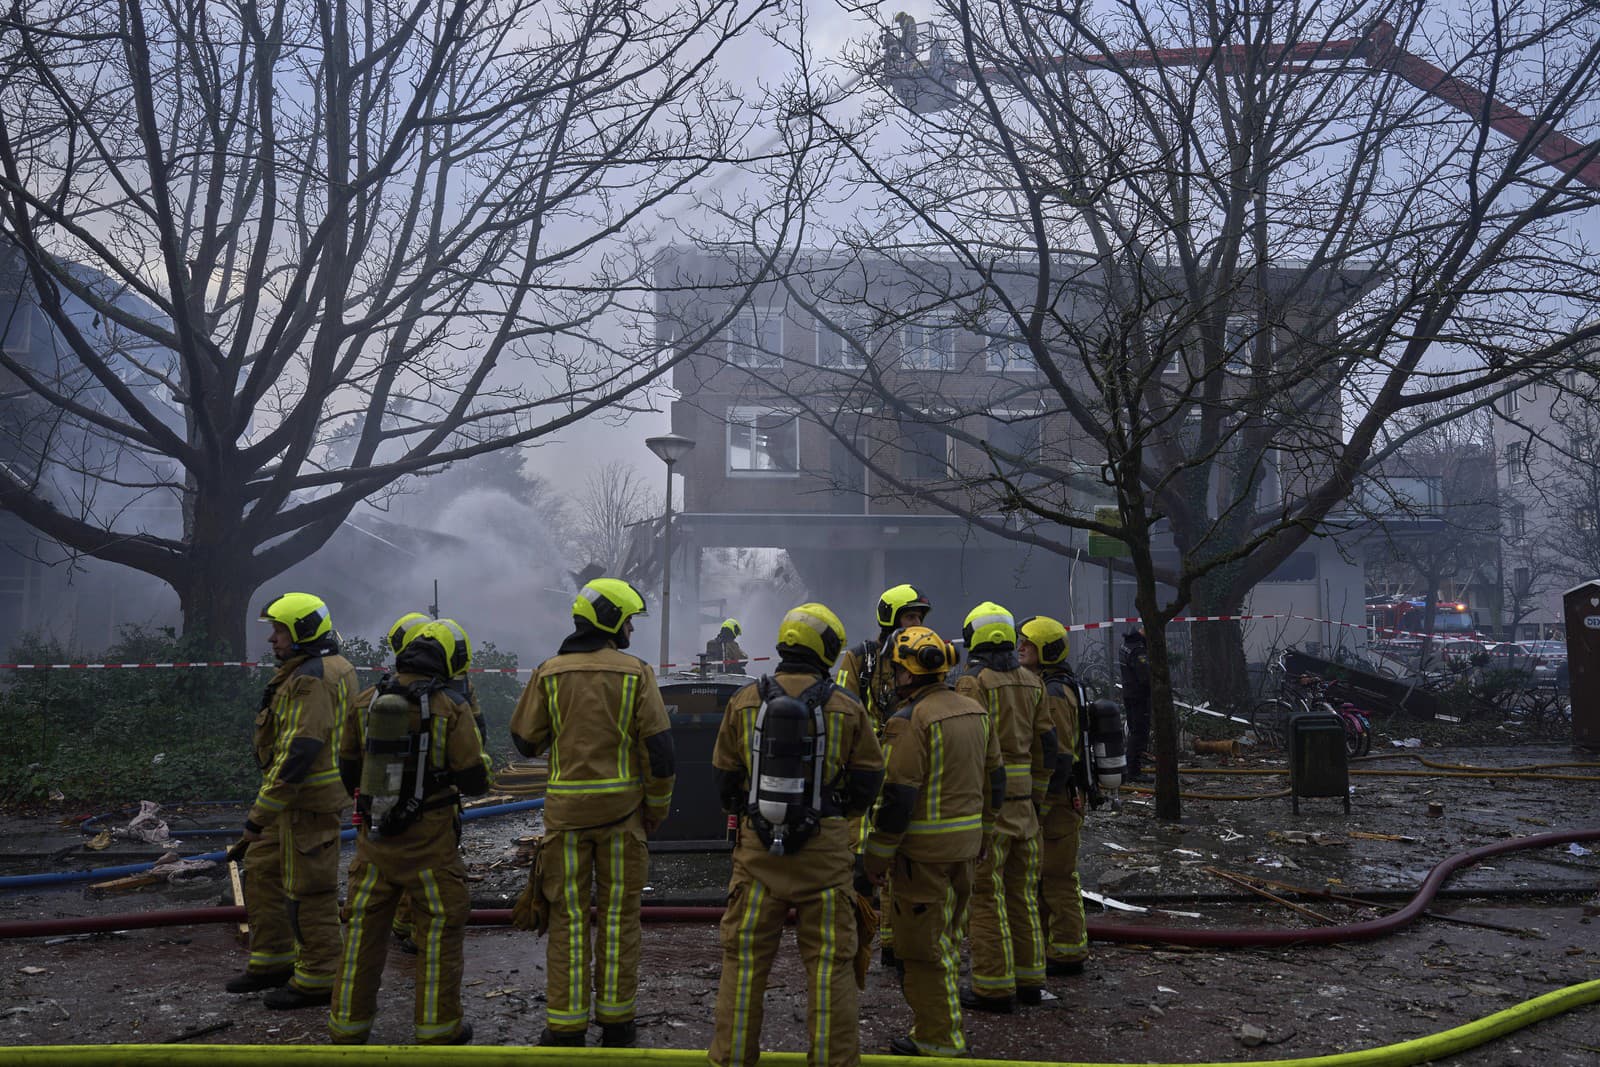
[695,707]
[1318,766]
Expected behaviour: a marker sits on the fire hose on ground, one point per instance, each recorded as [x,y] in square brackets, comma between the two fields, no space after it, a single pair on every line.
[25,881]
[1247,937]
[1404,1054]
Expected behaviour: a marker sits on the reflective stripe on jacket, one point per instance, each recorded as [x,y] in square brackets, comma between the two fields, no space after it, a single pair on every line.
[941,747]
[876,693]
[595,711]
[1015,702]
[297,738]
[849,744]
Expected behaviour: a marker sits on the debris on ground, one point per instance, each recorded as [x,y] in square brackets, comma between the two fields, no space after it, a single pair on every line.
[149,827]
[1502,933]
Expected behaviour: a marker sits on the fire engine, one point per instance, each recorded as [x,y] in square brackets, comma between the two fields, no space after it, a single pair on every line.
[1401,621]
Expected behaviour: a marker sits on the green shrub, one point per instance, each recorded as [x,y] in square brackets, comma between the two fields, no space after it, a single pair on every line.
[165,734]
[98,735]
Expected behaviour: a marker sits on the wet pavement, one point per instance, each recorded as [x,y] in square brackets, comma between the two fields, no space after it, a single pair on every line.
[1136,1003]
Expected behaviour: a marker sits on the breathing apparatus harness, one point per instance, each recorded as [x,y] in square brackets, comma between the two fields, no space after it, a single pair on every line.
[398,774]
[878,699]
[788,757]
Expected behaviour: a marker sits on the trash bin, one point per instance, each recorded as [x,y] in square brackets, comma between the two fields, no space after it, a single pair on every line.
[1318,766]
[695,707]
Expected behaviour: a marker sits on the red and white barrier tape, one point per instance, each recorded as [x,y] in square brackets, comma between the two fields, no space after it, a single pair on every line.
[1077,627]
[1378,631]
[208,663]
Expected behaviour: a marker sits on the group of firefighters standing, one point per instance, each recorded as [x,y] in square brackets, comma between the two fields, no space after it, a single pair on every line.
[866,789]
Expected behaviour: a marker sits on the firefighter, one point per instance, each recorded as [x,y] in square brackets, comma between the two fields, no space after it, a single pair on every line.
[867,673]
[403,628]
[1135,663]
[291,834]
[1007,936]
[408,754]
[944,783]
[795,758]
[865,670]
[723,652]
[396,638]
[1042,647]
[598,711]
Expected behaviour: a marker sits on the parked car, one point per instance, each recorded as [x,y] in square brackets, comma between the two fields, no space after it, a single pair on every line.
[1538,658]
[1548,652]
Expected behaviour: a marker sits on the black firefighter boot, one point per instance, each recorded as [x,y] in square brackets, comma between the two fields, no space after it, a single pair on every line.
[619,1035]
[562,1038]
[256,981]
[291,998]
[977,1002]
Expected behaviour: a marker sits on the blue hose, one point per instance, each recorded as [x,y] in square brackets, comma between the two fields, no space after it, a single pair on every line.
[25,881]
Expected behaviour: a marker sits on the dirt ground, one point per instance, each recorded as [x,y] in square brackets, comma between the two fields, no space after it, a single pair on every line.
[1137,1003]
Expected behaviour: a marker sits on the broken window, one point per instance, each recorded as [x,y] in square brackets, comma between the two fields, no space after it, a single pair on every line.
[763,440]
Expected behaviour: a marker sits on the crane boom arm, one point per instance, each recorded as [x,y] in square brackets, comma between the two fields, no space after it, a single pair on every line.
[920,82]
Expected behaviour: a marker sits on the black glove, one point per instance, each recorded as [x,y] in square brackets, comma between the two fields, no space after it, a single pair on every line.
[732,790]
[863,884]
[236,853]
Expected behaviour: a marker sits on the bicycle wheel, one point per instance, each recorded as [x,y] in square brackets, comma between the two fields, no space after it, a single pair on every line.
[1269,718]
[1365,722]
[1355,736]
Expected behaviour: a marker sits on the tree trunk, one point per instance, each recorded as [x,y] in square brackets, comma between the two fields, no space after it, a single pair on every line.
[1163,715]
[1216,649]
[215,597]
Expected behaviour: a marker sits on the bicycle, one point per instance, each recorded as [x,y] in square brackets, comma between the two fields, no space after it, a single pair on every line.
[1269,716]
[1307,693]
[1356,722]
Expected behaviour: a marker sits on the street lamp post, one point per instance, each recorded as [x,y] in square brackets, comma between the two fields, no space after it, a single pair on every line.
[669,448]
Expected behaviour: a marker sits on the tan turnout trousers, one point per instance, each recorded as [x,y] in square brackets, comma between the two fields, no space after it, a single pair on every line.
[752,927]
[929,900]
[423,865]
[1060,893]
[291,881]
[1006,932]
[611,863]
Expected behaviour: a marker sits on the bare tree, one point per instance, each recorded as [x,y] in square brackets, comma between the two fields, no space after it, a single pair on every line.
[613,499]
[1435,505]
[1529,570]
[1553,498]
[1232,242]
[288,252]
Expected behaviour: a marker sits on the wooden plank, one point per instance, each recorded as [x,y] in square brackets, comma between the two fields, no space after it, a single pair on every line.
[132,881]
[236,879]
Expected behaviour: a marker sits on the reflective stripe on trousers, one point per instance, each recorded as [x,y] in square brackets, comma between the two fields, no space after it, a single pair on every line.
[751,931]
[613,863]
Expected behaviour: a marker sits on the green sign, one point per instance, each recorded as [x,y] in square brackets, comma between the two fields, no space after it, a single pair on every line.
[1103,545]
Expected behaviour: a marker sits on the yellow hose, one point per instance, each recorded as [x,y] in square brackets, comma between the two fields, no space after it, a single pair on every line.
[1406,1053]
